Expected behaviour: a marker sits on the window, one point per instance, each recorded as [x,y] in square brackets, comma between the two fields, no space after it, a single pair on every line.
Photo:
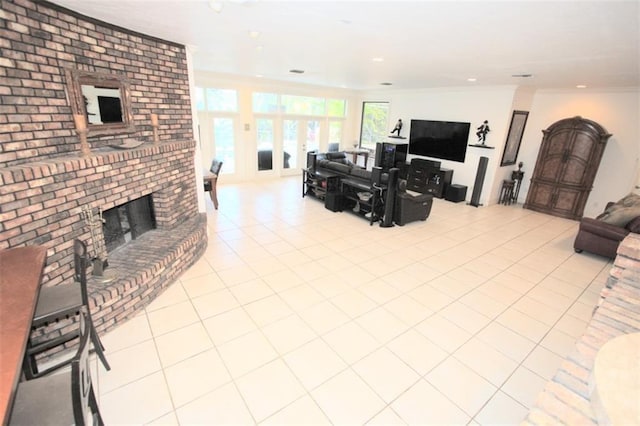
[336,107]
[221,100]
[375,123]
[224,143]
[200,106]
[266,103]
[335,132]
[303,105]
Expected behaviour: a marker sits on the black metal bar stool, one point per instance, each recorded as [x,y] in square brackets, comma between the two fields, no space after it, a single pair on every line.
[60,399]
[58,303]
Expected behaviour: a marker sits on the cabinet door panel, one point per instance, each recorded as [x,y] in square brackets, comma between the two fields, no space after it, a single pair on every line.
[583,146]
[566,202]
[540,195]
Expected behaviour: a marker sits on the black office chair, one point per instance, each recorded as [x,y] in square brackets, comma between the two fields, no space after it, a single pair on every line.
[60,399]
[58,303]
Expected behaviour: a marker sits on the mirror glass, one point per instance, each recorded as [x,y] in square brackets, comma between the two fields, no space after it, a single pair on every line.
[103,99]
[103,104]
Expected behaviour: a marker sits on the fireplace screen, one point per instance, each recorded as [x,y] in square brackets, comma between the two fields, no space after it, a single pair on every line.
[127,222]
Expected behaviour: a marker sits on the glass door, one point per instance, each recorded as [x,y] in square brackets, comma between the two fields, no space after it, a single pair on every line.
[292,155]
[265,144]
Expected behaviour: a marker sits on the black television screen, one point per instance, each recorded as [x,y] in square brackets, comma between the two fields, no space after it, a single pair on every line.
[439,139]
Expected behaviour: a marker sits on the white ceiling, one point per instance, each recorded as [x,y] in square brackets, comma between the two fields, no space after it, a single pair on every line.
[424,43]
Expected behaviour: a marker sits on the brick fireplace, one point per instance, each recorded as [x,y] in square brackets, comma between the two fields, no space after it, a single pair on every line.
[45,180]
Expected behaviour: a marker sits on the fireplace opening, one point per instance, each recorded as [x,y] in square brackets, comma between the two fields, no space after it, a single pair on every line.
[127,222]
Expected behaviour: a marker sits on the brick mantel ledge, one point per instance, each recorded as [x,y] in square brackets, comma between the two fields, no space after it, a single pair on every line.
[43,169]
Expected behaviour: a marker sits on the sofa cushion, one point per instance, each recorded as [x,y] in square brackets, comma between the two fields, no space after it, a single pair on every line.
[623,211]
[338,167]
[361,173]
[634,225]
[338,157]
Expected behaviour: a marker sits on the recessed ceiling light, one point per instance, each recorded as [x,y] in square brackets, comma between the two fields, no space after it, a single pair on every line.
[581,86]
[472,79]
[378,59]
[295,71]
[254,34]
[259,48]
[386,83]
[259,75]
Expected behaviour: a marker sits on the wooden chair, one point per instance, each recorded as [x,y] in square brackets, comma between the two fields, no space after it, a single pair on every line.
[60,399]
[211,181]
[59,303]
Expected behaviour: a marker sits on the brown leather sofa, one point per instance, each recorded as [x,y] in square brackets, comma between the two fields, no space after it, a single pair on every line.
[598,237]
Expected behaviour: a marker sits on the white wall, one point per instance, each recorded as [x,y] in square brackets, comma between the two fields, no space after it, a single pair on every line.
[464,104]
[618,111]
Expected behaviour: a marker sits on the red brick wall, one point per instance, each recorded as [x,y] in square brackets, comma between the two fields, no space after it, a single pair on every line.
[44,181]
[38,40]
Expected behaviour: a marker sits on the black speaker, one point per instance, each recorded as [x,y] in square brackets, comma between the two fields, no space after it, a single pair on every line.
[334,201]
[477,186]
[376,175]
[378,158]
[311,160]
[456,193]
[390,198]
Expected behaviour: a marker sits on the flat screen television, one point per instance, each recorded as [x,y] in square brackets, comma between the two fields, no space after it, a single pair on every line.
[439,139]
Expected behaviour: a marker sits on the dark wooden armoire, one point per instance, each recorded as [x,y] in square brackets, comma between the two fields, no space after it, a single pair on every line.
[567,163]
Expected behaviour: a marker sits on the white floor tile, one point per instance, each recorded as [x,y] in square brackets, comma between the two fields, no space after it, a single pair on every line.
[269,388]
[485,360]
[129,365]
[182,344]
[443,333]
[221,406]
[502,410]
[229,325]
[351,342]
[288,333]
[318,318]
[138,402]
[303,411]
[196,376]
[524,386]
[346,399]
[128,333]
[247,353]
[173,317]
[467,389]
[388,382]
[314,363]
[424,404]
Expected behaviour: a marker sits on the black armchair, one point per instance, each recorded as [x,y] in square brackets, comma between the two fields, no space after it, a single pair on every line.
[410,205]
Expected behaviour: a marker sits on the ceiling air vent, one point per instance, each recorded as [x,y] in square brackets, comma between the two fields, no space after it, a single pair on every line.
[522,75]
[295,71]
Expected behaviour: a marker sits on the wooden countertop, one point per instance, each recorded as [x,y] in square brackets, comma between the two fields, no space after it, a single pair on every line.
[20,276]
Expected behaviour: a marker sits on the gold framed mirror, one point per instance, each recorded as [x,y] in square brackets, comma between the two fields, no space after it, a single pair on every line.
[103,100]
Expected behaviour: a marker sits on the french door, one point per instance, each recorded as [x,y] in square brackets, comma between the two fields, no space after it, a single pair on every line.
[283,143]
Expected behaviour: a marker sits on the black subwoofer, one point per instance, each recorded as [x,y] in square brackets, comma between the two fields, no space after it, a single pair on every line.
[334,201]
[456,193]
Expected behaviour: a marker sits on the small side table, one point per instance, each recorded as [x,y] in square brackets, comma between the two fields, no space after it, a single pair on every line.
[506,192]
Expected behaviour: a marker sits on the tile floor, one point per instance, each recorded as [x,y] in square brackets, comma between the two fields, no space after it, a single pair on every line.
[297,315]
